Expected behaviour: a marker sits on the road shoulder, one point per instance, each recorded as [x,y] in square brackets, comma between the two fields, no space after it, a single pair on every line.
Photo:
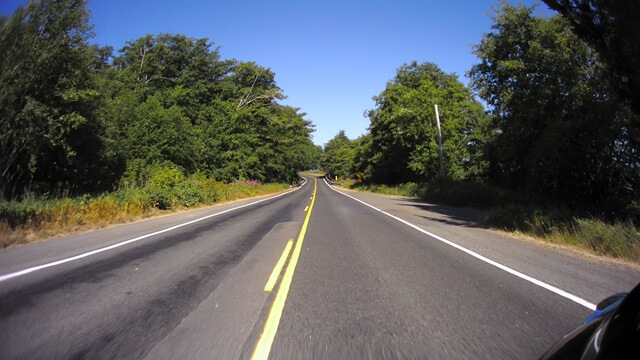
[588,276]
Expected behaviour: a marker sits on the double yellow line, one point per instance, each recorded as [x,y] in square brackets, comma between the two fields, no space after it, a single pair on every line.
[263,346]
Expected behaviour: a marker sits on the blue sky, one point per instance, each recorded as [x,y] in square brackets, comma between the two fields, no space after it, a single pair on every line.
[330,57]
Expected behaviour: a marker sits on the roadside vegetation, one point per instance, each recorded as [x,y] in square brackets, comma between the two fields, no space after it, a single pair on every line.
[161,190]
[510,212]
[91,136]
[556,153]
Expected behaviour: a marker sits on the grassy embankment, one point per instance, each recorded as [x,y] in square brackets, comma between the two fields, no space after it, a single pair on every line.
[508,211]
[34,219]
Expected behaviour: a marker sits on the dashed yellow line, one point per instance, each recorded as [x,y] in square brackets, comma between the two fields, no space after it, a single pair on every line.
[263,346]
[306,208]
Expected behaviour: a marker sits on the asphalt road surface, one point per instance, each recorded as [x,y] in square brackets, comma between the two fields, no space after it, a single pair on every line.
[362,276]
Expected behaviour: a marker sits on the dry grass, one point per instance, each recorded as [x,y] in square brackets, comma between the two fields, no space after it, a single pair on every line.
[34,220]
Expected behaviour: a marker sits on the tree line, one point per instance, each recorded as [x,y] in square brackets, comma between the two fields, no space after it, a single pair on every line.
[559,124]
[82,118]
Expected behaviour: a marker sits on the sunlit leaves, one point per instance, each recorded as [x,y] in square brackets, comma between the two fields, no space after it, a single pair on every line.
[403,128]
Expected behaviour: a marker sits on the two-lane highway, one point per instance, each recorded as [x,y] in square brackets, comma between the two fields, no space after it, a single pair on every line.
[124,301]
[362,276]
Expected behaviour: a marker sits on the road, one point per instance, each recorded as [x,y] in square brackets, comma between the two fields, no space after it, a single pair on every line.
[365,276]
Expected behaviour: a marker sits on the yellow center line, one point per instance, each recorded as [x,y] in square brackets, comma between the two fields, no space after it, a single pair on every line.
[279,265]
[263,346]
[306,208]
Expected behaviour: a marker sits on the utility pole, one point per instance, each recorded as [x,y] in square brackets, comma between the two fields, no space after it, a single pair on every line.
[440,142]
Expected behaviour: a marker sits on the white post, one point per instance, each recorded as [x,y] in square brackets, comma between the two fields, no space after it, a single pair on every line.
[440,142]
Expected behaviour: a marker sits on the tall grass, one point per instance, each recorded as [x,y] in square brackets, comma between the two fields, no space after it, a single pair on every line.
[620,239]
[32,219]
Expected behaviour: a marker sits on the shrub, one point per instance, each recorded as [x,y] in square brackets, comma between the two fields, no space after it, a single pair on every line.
[165,177]
[161,198]
[188,193]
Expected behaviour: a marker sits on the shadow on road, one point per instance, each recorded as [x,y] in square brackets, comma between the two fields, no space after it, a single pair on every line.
[446,214]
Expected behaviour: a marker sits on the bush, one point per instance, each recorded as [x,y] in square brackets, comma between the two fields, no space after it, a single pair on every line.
[165,177]
[189,193]
[162,199]
[508,217]
[515,212]
[443,191]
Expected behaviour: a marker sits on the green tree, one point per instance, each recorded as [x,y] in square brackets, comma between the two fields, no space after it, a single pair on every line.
[255,137]
[563,134]
[160,134]
[339,156]
[232,126]
[612,28]
[50,134]
[312,156]
[403,143]
[166,62]
[76,117]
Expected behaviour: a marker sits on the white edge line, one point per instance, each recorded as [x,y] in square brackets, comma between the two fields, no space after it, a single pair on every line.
[97,251]
[528,278]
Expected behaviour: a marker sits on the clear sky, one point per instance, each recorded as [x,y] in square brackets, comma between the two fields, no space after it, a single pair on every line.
[330,56]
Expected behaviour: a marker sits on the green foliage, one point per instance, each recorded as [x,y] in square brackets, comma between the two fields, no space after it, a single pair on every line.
[18,213]
[203,114]
[403,134]
[447,191]
[611,28]
[78,118]
[562,133]
[313,156]
[338,156]
[621,239]
[50,135]
[407,189]
[161,134]
[163,177]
